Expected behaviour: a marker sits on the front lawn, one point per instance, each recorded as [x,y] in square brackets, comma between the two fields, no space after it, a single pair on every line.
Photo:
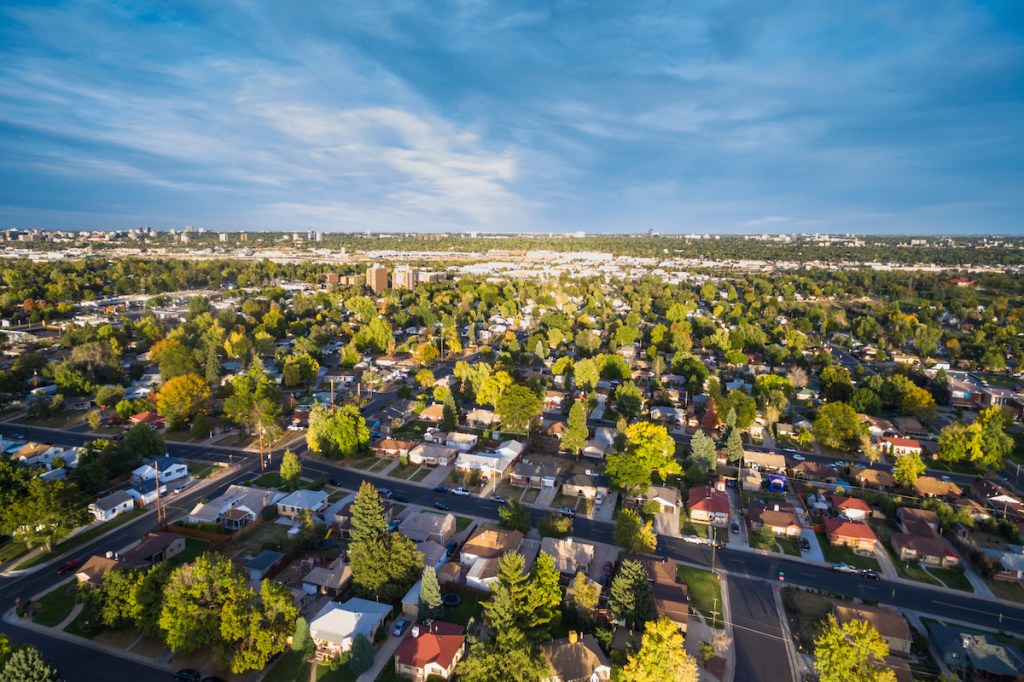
[11,550]
[55,605]
[462,523]
[953,578]
[290,668]
[1004,590]
[845,555]
[788,545]
[193,548]
[203,470]
[705,591]
[404,472]
[421,474]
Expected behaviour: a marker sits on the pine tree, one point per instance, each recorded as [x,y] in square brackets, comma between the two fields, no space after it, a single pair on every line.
[508,608]
[430,605]
[574,438]
[368,522]
[585,594]
[734,446]
[545,599]
[630,598]
[27,665]
[703,451]
[450,414]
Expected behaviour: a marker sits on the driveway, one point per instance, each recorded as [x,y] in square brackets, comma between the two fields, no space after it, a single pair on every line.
[814,553]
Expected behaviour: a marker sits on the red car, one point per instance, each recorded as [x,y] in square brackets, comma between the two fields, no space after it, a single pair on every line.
[68,566]
[608,568]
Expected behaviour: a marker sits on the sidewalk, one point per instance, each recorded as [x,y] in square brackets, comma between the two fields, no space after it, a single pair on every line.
[381,658]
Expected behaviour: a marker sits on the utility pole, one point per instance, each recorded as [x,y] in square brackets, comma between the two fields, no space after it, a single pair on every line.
[714,545]
[159,507]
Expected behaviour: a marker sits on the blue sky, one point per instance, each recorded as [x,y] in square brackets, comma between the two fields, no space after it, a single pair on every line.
[758,116]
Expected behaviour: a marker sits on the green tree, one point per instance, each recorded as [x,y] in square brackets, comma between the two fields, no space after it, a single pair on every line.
[109,395]
[555,526]
[492,387]
[430,604]
[852,651]
[866,401]
[518,406]
[291,469]
[302,643]
[586,375]
[662,656]
[361,655]
[144,441]
[425,378]
[95,419]
[907,468]
[649,448]
[194,597]
[515,516]
[44,512]
[734,446]
[628,400]
[450,413]
[545,600]
[633,534]
[25,664]
[254,633]
[384,564]
[837,426]
[575,436]
[585,594]
[182,398]
[763,537]
[509,607]
[508,657]
[918,402]
[340,434]
[629,597]
[702,451]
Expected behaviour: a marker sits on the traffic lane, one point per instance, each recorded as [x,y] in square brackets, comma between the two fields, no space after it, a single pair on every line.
[79,663]
[760,649]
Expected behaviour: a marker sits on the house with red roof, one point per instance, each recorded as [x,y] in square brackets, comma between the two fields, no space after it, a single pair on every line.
[853,534]
[433,649]
[152,419]
[897,447]
[708,505]
[853,508]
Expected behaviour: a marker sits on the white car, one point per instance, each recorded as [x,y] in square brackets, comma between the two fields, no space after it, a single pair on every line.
[599,498]
[461,492]
[799,457]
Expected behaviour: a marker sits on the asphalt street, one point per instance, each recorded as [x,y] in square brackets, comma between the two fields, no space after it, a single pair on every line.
[761,654]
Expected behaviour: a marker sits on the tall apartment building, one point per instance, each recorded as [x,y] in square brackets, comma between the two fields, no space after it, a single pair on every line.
[404,277]
[377,278]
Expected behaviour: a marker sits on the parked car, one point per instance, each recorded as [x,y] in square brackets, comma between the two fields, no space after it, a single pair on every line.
[395,523]
[68,566]
[499,499]
[399,628]
[460,491]
[735,528]
[843,568]
[798,457]
[385,492]
[336,482]
[440,489]
[805,544]
[186,675]
[450,547]
[607,570]
[692,539]
[599,498]
[870,574]
[443,506]
[399,497]
[567,511]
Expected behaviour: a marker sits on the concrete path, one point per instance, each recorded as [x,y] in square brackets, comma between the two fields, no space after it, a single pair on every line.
[977,582]
[439,476]
[546,497]
[888,570]
[814,553]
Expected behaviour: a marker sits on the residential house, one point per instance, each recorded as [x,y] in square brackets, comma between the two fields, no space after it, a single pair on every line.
[482,574]
[293,505]
[813,471]
[889,623]
[929,486]
[433,554]
[401,413]
[708,505]
[92,571]
[336,625]
[526,475]
[875,479]
[570,555]
[262,564]
[920,540]
[764,461]
[672,415]
[575,658]
[433,455]
[480,418]
[779,517]
[897,447]
[169,469]
[463,442]
[857,536]
[911,427]
[151,419]
[553,399]
[554,428]
[978,656]
[1011,563]
[998,497]
[393,448]
[430,650]
[154,549]
[331,579]
[665,497]
[585,485]
[433,413]
[671,598]
[489,464]
[428,526]
[852,508]
[596,449]
[110,506]
[490,542]
[236,508]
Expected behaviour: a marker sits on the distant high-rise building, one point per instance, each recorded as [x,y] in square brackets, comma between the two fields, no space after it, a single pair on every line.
[404,277]
[377,278]
[223,236]
[244,237]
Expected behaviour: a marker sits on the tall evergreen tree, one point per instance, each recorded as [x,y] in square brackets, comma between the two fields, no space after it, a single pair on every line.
[630,598]
[574,438]
[734,446]
[368,522]
[508,608]
[449,414]
[384,565]
[545,601]
[430,605]
[27,665]
[703,451]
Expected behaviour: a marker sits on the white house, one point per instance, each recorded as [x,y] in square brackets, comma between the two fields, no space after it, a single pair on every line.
[169,469]
[463,442]
[337,625]
[34,454]
[110,506]
[431,454]
[313,501]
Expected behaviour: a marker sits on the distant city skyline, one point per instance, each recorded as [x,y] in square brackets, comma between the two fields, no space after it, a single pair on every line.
[729,117]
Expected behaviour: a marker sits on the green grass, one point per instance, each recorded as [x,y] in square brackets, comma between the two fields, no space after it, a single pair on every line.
[11,550]
[404,472]
[1008,591]
[82,538]
[289,668]
[913,571]
[203,470]
[953,578]
[462,523]
[342,674]
[55,605]
[701,529]
[705,591]
[388,674]
[363,463]
[530,496]
[789,546]
[77,627]
[422,473]
[412,431]
[466,609]
[845,555]
[193,548]
[381,464]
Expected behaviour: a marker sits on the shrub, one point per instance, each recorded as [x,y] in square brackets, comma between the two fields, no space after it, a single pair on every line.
[555,526]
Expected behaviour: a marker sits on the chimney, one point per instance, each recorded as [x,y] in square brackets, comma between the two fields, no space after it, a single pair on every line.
[776,507]
[415,631]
